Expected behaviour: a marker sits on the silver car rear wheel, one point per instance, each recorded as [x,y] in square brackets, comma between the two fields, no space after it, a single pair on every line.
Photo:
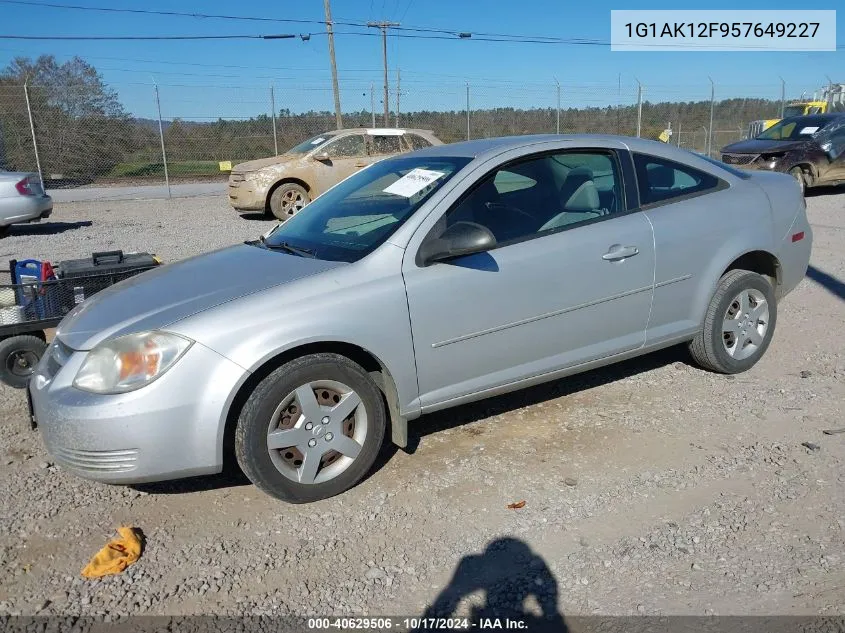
[738,325]
[745,324]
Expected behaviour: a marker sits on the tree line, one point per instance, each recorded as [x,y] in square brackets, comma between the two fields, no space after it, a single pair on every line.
[83,131]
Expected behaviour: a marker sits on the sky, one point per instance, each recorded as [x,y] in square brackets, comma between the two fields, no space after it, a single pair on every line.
[204,80]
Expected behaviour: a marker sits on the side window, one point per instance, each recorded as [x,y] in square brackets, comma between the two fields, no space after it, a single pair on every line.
[385,145]
[543,194]
[660,179]
[415,141]
[347,146]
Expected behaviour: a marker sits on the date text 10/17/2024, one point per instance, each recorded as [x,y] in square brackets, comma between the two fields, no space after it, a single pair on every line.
[416,624]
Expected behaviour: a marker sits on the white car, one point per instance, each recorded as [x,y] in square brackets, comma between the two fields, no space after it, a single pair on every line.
[22,199]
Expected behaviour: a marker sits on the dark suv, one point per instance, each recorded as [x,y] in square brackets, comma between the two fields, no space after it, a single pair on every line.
[811,148]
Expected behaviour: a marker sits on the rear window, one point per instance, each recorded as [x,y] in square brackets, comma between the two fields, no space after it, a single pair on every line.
[661,179]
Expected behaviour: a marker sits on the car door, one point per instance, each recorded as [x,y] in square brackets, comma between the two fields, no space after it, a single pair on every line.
[346,155]
[570,280]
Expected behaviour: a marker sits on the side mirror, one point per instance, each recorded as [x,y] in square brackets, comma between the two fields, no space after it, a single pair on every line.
[462,238]
[323,157]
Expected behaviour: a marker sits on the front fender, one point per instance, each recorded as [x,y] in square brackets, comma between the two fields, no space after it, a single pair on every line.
[361,304]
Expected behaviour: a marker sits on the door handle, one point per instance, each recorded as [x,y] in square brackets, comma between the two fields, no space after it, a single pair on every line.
[618,252]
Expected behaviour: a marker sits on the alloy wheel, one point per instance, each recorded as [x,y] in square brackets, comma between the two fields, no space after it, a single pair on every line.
[317,431]
[745,324]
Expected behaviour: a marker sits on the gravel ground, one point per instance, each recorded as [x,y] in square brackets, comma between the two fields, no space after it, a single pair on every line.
[650,487]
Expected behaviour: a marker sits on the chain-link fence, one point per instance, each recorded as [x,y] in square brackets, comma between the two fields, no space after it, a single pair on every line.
[71,142]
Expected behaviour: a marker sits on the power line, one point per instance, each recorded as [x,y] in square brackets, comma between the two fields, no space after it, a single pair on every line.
[150,37]
[183,14]
[444,33]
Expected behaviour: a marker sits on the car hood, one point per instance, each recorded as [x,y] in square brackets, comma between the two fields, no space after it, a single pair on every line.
[261,163]
[162,296]
[758,146]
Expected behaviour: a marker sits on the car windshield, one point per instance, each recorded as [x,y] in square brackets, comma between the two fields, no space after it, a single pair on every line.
[312,143]
[790,111]
[793,129]
[354,217]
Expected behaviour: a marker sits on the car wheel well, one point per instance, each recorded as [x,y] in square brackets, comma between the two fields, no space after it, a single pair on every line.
[807,168]
[377,371]
[762,263]
[284,181]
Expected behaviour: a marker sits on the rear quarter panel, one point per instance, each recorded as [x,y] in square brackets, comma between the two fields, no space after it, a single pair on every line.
[696,240]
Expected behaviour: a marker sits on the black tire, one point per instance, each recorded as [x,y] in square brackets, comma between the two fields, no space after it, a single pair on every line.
[287,199]
[801,177]
[251,448]
[18,357]
[708,348]
[4,230]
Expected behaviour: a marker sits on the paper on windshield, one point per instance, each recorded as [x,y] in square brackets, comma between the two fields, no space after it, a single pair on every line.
[317,141]
[414,181]
[809,130]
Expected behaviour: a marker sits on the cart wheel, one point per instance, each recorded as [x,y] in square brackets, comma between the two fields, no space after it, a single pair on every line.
[18,357]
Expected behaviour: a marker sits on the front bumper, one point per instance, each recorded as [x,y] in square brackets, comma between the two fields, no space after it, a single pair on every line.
[171,428]
[755,163]
[244,195]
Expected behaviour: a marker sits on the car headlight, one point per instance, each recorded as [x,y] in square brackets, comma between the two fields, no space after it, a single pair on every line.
[130,362]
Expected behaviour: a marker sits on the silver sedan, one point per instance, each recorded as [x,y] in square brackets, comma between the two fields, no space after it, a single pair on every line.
[422,282]
[22,199]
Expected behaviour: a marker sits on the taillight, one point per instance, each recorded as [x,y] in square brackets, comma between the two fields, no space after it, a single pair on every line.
[24,187]
[797,237]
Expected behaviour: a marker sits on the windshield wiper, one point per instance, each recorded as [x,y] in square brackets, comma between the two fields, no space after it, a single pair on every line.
[284,246]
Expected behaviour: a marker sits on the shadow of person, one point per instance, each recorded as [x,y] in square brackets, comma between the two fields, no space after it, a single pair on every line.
[509,574]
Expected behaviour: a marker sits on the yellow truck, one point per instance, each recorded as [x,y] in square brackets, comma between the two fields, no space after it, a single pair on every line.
[832,100]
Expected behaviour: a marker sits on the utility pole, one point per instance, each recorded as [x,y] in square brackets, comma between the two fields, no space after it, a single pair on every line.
[782,96]
[383,26]
[330,33]
[32,129]
[557,121]
[712,106]
[639,107]
[398,91]
[467,110]
[161,136]
[373,103]
[619,105]
[273,114]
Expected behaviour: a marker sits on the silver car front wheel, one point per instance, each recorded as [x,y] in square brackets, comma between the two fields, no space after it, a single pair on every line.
[311,429]
[317,431]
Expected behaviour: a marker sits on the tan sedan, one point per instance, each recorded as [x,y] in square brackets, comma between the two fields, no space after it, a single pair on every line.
[283,184]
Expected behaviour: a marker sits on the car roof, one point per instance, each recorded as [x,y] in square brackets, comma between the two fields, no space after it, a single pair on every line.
[387,131]
[491,146]
[814,118]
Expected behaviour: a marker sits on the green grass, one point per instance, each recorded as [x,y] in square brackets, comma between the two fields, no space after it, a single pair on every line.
[143,169]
